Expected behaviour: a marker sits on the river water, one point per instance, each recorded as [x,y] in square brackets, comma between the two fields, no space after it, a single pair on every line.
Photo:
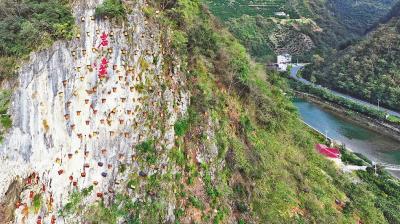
[374,145]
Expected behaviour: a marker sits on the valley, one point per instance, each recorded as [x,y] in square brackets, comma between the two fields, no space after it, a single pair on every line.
[305,29]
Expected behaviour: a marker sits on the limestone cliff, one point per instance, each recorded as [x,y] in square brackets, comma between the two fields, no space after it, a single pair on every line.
[80,109]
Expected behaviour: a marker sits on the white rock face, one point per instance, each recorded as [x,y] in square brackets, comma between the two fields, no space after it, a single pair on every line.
[67,121]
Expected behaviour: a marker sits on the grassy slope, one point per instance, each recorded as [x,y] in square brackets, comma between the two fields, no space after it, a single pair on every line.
[369,69]
[266,170]
[272,173]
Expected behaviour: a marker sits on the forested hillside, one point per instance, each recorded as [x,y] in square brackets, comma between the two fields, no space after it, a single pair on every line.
[394,12]
[369,69]
[30,25]
[309,28]
[358,15]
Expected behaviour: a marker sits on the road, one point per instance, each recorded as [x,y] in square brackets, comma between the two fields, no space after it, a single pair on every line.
[296,68]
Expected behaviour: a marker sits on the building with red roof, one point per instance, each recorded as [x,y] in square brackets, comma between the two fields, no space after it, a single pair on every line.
[328,152]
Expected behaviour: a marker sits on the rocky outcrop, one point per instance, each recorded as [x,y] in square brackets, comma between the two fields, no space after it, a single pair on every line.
[81,108]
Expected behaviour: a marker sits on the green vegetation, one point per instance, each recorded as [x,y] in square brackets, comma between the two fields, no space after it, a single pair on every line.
[380,183]
[253,32]
[112,9]
[37,202]
[386,189]
[29,25]
[181,127]
[346,103]
[5,100]
[5,118]
[359,16]
[226,9]
[143,63]
[393,119]
[99,213]
[122,206]
[394,12]
[147,151]
[146,146]
[312,27]
[75,201]
[178,155]
[140,87]
[5,121]
[351,158]
[368,70]
[196,202]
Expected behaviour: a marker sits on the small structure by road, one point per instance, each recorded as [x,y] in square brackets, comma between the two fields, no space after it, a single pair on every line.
[281,14]
[283,61]
[327,151]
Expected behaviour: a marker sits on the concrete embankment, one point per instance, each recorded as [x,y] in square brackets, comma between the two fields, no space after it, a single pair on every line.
[367,122]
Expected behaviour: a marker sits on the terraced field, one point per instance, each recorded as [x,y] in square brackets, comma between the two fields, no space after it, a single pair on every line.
[333,24]
[226,9]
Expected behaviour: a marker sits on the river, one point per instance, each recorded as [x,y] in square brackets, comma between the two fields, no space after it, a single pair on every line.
[374,145]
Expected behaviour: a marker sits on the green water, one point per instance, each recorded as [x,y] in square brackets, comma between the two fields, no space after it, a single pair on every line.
[374,145]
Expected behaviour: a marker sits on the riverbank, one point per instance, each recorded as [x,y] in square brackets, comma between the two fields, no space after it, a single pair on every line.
[345,113]
[350,102]
[364,141]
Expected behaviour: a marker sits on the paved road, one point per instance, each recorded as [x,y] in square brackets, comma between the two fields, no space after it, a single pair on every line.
[296,68]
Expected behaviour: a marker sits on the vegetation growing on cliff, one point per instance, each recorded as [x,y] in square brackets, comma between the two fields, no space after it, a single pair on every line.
[30,25]
[5,120]
[112,9]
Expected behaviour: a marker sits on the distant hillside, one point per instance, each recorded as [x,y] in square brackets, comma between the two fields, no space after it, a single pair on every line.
[310,27]
[358,15]
[369,69]
[394,12]
[227,9]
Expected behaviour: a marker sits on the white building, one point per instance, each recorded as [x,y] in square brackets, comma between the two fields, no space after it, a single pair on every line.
[280,14]
[283,61]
